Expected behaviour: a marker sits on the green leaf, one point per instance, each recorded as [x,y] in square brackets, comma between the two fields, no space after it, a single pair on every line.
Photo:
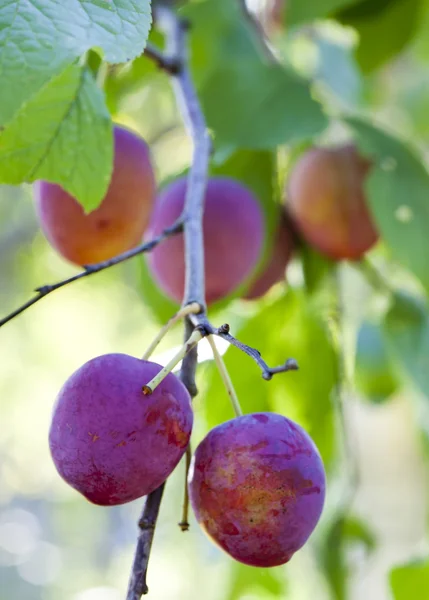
[246,580]
[343,531]
[289,327]
[278,110]
[375,373]
[63,135]
[302,11]
[38,38]
[384,26]
[410,581]
[249,101]
[406,328]
[397,192]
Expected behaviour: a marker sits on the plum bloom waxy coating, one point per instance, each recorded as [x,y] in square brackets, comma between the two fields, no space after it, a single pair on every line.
[110,441]
[233,228]
[257,487]
[119,222]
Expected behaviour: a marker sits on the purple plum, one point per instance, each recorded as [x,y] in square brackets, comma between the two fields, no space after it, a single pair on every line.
[109,440]
[257,487]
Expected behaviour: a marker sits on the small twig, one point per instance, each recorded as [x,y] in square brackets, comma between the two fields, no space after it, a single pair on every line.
[190,343]
[181,314]
[184,523]
[137,585]
[267,372]
[223,371]
[169,64]
[96,268]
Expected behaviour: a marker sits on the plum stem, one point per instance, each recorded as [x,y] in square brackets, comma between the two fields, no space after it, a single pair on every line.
[223,371]
[44,290]
[190,343]
[189,309]
[184,523]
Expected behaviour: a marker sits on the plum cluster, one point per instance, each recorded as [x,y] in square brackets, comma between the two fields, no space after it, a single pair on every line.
[324,205]
[256,483]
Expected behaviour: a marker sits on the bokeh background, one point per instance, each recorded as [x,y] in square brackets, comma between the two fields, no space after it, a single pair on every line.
[54,544]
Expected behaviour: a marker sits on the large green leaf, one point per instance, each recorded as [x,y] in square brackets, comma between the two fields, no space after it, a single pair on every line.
[249,101]
[406,328]
[38,38]
[63,135]
[290,327]
[302,11]
[384,27]
[410,581]
[398,191]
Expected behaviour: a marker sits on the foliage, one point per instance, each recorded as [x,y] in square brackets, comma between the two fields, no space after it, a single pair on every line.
[330,70]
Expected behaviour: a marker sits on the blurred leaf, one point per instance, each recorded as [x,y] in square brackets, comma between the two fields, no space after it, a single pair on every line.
[316,268]
[384,26]
[63,135]
[410,581]
[290,327]
[39,38]
[278,109]
[248,579]
[397,192]
[375,375]
[302,11]
[338,70]
[343,531]
[406,327]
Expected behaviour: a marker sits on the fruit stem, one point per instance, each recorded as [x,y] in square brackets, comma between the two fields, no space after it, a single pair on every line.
[225,377]
[192,341]
[189,309]
[184,523]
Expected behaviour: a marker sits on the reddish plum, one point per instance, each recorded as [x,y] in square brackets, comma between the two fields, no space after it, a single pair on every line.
[233,229]
[326,199]
[118,223]
[110,441]
[257,486]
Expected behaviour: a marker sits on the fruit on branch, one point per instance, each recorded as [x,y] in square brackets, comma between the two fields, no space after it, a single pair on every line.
[326,199]
[233,228]
[118,224]
[257,486]
[274,269]
[375,376]
[111,442]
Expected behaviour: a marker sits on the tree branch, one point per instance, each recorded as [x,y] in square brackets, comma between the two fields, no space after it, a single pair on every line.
[44,290]
[175,32]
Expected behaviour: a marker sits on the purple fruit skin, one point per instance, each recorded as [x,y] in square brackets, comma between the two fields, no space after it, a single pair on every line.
[233,227]
[257,487]
[111,442]
[274,270]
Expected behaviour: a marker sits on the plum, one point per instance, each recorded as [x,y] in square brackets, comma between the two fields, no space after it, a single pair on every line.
[274,269]
[119,222]
[109,440]
[326,200]
[233,228]
[257,487]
